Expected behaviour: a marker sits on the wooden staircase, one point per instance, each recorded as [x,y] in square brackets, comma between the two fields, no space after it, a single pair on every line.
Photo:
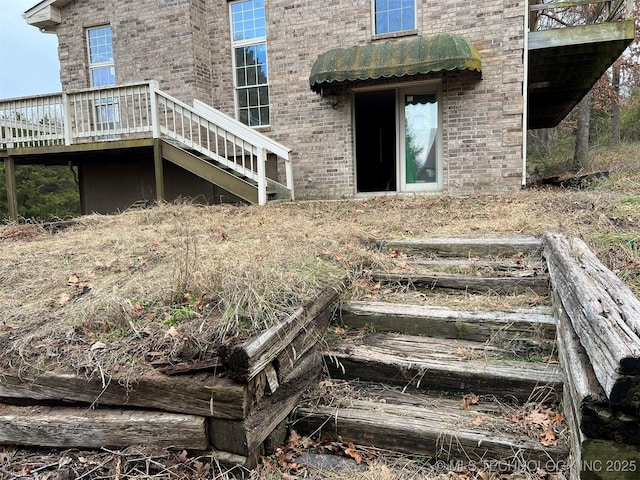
[204,167]
[478,390]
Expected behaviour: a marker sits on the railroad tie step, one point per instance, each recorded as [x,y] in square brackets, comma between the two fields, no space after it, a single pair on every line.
[488,433]
[526,327]
[425,363]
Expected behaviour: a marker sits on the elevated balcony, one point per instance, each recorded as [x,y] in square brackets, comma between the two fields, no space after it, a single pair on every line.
[571,45]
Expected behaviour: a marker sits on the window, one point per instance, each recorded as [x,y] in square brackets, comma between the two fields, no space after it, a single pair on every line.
[248,39]
[394,16]
[101,68]
[102,73]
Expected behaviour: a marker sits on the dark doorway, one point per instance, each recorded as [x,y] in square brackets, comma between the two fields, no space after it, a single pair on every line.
[375,117]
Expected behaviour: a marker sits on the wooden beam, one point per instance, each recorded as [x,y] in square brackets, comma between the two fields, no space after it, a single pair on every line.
[159,173]
[520,326]
[468,283]
[249,359]
[75,427]
[432,427]
[582,35]
[201,394]
[604,314]
[450,365]
[12,194]
[467,247]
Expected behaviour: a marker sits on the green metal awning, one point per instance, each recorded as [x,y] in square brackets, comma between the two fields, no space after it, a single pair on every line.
[398,58]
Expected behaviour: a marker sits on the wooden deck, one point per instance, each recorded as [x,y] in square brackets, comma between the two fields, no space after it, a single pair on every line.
[565,63]
[77,127]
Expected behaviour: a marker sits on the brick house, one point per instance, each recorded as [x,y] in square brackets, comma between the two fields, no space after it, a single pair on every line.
[368,96]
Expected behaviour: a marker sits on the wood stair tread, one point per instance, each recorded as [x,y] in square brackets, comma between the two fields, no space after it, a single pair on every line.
[431,363]
[494,247]
[469,283]
[480,326]
[429,425]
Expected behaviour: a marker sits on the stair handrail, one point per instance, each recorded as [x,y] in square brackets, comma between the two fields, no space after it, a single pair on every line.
[250,135]
[238,133]
[119,111]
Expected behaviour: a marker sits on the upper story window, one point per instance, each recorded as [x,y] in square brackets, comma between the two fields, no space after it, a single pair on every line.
[100,47]
[248,40]
[394,16]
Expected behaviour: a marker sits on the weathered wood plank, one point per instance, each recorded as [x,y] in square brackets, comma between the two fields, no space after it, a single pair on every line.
[455,366]
[468,283]
[582,35]
[74,427]
[593,416]
[437,429]
[425,320]
[508,265]
[201,394]
[467,247]
[243,437]
[248,360]
[604,314]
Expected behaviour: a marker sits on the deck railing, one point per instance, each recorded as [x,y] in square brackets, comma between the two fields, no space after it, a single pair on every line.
[139,110]
[550,14]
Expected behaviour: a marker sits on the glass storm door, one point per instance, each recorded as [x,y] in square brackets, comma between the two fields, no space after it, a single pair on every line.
[420,142]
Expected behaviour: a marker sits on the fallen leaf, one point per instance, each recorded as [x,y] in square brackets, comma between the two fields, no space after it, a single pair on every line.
[548,438]
[63,299]
[98,346]
[468,400]
[477,421]
[538,418]
[294,438]
[171,332]
[182,456]
[351,452]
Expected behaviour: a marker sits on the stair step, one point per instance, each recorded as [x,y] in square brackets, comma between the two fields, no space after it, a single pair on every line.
[526,327]
[505,246]
[504,266]
[442,364]
[487,433]
[467,283]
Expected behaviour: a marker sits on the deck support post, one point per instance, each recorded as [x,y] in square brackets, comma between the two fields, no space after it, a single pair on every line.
[159,173]
[12,194]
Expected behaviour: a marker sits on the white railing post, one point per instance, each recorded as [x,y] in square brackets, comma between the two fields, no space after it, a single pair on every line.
[66,119]
[153,102]
[262,176]
[288,172]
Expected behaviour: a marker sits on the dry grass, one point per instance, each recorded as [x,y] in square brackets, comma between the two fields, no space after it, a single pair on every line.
[214,273]
[182,279]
